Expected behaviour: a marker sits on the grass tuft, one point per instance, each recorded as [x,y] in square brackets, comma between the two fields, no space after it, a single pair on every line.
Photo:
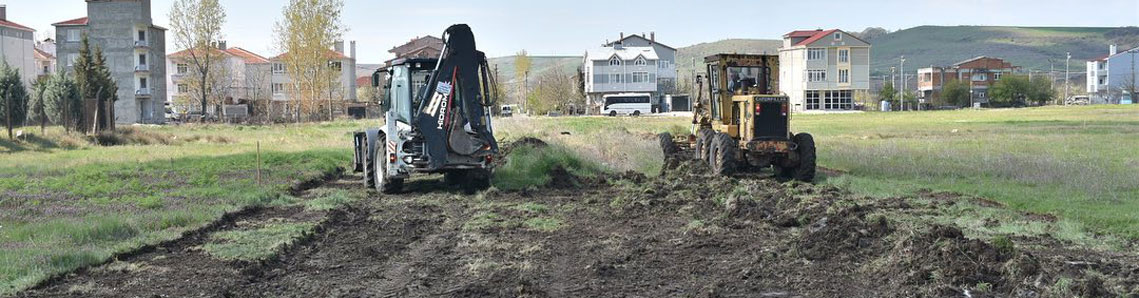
[257,244]
[528,166]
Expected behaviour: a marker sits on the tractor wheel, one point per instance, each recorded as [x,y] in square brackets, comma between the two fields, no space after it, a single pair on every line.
[702,143]
[667,145]
[369,161]
[725,161]
[806,148]
[383,183]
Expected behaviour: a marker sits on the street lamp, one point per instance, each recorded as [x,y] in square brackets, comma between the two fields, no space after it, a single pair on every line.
[902,70]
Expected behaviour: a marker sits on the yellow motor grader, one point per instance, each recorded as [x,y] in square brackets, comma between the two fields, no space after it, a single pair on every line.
[742,122]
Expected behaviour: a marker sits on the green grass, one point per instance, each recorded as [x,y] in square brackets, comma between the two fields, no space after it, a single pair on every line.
[67,203]
[531,167]
[543,224]
[328,199]
[255,244]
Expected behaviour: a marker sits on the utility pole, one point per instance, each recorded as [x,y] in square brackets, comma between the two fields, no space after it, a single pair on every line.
[1067,61]
[902,70]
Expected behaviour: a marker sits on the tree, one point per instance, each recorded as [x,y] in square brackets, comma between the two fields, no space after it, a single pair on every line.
[62,101]
[1040,90]
[556,90]
[1017,90]
[954,93]
[36,105]
[888,92]
[15,97]
[308,30]
[196,26]
[522,74]
[94,81]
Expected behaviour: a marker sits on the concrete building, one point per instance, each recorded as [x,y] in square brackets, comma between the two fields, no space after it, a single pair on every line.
[45,58]
[419,47]
[344,64]
[979,73]
[632,64]
[247,76]
[134,49]
[1110,76]
[17,46]
[823,70]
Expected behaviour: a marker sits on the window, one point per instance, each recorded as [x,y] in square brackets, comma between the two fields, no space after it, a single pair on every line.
[141,59]
[844,76]
[1102,80]
[927,77]
[278,68]
[640,77]
[816,53]
[844,56]
[639,62]
[1102,65]
[614,61]
[812,100]
[335,65]
[616,78]
[73,35]
[980,77]
[142,83]
[278,88]
[816,75]
[837,100]
[142,35]
[71,59]
[997,76]
[182,88]
[663,64]
[837,36]
[47,67]
[182,68]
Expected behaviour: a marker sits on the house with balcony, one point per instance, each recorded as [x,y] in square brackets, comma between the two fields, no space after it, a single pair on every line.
[246,76]
[979,73]
[1110,76]
[823,70]
[343,65]
[632,64]
[18,48]
[134,49]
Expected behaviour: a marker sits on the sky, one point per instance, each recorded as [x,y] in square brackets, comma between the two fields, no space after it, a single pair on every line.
[504,27]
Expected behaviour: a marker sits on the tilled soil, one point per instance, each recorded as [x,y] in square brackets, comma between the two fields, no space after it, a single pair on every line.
[683,234]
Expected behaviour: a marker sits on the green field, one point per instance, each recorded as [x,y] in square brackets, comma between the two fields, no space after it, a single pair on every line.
[68,203]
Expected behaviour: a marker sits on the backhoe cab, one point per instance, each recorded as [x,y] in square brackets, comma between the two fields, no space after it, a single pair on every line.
[742,121]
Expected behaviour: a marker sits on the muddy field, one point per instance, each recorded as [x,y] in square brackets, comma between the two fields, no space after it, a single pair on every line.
[621,235]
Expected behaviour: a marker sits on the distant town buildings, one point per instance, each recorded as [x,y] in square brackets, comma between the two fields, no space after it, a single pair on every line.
[246,78]
[823,69]
[632,64]
[45,58]
[979,73]
[419,47]
[17,46]
[1110,77]
[134,49]
[344,64]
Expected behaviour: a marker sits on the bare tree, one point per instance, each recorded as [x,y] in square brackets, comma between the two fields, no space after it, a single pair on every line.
[196,25]
[308,30]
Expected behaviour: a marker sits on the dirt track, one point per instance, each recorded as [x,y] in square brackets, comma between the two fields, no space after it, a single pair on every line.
[621,236]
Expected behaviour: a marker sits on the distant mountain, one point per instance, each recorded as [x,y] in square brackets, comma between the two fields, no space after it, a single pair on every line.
[1028,47]
[538,64]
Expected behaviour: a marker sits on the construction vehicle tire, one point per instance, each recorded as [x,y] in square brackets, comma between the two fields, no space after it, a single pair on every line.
[725,159]
[702,143]
[369,161]
[806,148]
[383,183]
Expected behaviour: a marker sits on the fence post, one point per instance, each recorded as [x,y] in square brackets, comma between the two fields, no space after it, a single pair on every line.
[258,163]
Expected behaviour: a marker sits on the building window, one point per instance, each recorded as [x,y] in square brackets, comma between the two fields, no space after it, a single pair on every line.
[816,75]
[278,68]
[663,64]
[980,77]
[996,76]
[141,35]
[614,61]
[837,100]
[1102,65]
[844,76]
[812,100]
[837,36]
[616,78]
[844,56]
[182,68]
[816,53]
[335,65]
[182,88]
[927,77]
[141,83]
[73,35]
[1102,80]
[640,77]
[141,59]
[278,88]
[640,62]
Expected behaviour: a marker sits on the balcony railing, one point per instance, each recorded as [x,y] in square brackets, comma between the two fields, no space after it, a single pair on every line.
[142,68]
[141,44]
[142,92]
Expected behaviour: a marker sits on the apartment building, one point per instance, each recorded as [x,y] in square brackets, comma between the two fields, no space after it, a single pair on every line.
[823,70]
[419,47]
[344,64]
[632,64]
[134,49]
[246,76]
[17,47]
[45,58]
[980,73]
[1110,76]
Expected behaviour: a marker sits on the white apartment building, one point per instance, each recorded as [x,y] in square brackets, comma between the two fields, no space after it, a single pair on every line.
[247,75]
[823,70]
[632,64]
[1109,76]
[17,46]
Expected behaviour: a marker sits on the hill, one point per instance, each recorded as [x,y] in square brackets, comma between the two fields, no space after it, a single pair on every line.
[538,64]
[685,56]
[1028,47]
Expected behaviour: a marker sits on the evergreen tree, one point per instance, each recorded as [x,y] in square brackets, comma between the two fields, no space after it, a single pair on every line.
[36,104]
[14,107]
[62,102]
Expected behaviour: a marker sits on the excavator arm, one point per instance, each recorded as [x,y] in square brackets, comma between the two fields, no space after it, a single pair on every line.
[454,118]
